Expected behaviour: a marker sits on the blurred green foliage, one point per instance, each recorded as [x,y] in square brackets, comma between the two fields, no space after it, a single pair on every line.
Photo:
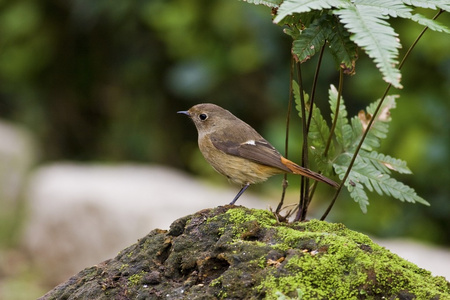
[102,80]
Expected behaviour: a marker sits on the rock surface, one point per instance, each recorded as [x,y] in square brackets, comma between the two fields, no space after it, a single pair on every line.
[239,253]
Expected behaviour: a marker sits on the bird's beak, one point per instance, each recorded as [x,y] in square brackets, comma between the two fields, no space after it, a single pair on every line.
[184,112]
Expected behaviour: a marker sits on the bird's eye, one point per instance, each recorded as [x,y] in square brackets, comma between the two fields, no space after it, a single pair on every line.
[203,117]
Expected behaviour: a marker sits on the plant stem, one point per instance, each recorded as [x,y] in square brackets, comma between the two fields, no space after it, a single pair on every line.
[372,120]
[286,141]
[308,124]
[304,180]
[336,114]
[333,126]
[314,85]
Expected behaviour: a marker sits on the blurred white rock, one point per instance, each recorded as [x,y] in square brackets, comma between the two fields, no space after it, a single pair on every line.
[80,215]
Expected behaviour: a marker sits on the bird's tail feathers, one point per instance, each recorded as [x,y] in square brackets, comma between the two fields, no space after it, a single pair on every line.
[296,169]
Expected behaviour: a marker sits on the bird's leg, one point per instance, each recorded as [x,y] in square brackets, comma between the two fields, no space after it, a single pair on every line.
[240,193]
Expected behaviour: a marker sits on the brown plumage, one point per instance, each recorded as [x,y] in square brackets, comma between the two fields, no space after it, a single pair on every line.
[236,150]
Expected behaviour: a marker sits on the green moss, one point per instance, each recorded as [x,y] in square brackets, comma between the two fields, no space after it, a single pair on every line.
[216,282]
[328,260]
[242,215]
[290,238]
[223,295]
[262,262]
[314,275]
[246,218]
[123,267]
[135,279]
[323,260]
[145,247]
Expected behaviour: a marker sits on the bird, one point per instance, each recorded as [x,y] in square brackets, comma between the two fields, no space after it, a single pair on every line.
[236,150]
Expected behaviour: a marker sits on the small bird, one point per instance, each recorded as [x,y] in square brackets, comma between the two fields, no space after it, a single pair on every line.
[234,149]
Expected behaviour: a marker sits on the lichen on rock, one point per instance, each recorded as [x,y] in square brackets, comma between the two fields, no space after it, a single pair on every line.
[238,253]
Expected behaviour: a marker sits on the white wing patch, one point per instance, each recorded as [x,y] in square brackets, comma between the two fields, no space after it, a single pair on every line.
[250,142]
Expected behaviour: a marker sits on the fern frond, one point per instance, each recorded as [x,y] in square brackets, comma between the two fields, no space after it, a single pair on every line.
[317,135]
[365,20]
[403,192]
[397,8]
[364,174]
[373,34]
[318,130]
[300,21]
[355,188]
[343,130]
[433,4]
[432,24]
[269,3]
[312,39]
[380,126]
[384,163]
[374,180]
[385,111]
[393,8]
[289,7]
[342,48]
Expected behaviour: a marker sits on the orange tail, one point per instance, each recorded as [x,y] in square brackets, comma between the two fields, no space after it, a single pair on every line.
[296,169]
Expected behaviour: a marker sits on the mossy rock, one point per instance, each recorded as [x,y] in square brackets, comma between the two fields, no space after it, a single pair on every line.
[238,253]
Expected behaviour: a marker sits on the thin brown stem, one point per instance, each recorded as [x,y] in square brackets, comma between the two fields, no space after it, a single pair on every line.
[336,113]
[314,85]
[304,180]
[304,211]
[286,141]
[333,126]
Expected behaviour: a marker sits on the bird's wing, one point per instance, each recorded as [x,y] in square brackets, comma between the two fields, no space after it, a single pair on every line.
[260,151]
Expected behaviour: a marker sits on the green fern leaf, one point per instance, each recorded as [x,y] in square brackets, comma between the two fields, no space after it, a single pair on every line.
[432,24]
[289,7]
[318,134]
[342,48]
[381,183]
[393,8]
[380,126]
[384,163]
[317,139]
[397,8]
[343,130]
[403,192]
[357,133]
[355,188]
[318,130]
[312,39]
[433,4]
[299,21]
[269,3]
[371,169]
[388,104]
[372,33]
[364,174]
